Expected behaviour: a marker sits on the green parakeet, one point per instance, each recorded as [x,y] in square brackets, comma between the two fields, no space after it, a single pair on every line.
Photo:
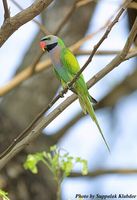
[66,67]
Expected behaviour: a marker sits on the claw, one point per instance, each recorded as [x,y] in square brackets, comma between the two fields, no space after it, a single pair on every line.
[61,94]
[69,87]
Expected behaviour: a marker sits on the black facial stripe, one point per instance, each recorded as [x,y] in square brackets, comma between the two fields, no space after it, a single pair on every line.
[43,39]
[51,46]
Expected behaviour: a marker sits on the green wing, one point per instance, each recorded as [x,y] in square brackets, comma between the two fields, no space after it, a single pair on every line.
[71,65]
[69,61]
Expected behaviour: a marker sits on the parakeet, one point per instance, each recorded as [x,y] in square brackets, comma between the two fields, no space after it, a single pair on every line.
[66,67]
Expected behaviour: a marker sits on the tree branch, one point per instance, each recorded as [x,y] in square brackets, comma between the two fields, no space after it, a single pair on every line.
[102,172]
[13,23]
[82,52]
[124,88]
[34,65]
[42,27]
[76,5]
[6,10]
[133,5]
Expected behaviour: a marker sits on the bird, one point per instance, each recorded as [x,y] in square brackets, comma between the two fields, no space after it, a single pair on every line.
[66,66]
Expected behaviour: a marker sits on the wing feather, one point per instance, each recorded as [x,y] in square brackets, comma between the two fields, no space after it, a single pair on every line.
[69,61]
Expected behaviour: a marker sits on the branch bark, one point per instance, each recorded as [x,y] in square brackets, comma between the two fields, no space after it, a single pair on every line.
[41,26]
[101,172]
[6,10]
[76,5]
[13,23]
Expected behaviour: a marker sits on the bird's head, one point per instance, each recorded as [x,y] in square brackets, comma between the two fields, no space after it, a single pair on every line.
[49,42]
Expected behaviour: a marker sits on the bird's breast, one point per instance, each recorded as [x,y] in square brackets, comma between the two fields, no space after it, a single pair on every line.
[55,58]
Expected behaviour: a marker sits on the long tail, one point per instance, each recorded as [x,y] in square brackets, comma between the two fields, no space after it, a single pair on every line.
[87,108]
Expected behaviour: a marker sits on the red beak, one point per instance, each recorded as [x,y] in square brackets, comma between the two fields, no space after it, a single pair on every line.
[43,45]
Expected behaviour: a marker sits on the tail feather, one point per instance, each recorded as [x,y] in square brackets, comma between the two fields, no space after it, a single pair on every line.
[87,108]
[83,106]
[94,101]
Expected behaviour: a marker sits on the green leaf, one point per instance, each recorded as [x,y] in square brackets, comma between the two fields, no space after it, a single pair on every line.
[57,160]
[78,159]
[53,148]
[3,195]
[67,167]
[31,162]
[84,165]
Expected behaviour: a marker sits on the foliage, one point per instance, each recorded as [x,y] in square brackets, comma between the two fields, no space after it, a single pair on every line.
[58,161]
[3,195]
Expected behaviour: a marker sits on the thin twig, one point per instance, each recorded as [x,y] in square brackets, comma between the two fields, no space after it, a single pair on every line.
[34,65]
[42,27]
[101,52]
[65,19]
[84,2]
[6,10]
[21,18]
[102,172]
[115,62]
[76,5]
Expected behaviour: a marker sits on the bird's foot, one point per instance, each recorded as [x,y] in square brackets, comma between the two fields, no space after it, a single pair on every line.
[65,89]
[61,94]
[68,86]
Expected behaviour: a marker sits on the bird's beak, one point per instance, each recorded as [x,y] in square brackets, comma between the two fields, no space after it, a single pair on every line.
[43,45]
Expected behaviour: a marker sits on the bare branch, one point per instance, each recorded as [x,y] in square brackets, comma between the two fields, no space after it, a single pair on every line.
[66,18]
[124,88]
[77,4]
[34,65]
[133,5]
[102,52]
[84,2]
[42,27]
[11,25]
[102,172]
[6,10]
